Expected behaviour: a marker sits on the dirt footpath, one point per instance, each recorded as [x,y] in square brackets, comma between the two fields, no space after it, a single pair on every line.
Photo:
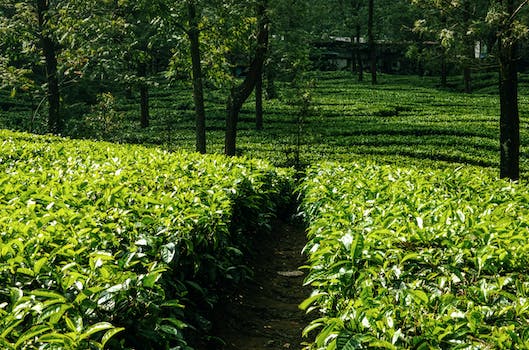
[264,314]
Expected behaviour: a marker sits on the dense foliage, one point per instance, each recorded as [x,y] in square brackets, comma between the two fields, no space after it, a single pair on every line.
[126,247]
[404,257]
[98,239]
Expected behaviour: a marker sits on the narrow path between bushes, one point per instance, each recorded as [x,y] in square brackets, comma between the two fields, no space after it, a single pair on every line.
[264,314]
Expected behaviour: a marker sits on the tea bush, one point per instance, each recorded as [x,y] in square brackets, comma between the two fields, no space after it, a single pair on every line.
[411,258]
[117,245]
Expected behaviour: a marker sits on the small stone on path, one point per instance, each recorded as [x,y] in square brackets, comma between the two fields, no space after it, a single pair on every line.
[295,273]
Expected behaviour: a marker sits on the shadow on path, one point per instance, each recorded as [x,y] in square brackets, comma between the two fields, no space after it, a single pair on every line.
[264,313]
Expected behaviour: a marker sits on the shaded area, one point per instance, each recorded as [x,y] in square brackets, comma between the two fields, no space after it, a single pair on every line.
[264,313]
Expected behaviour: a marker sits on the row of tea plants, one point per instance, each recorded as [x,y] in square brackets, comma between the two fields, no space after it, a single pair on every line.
[408,258]
[120,246]
[403,118]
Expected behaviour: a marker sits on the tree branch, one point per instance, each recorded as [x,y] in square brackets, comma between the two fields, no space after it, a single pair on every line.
[515,13]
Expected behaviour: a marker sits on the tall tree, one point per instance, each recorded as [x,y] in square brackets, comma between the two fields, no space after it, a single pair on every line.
[359,54]
[240,93]
[49,49]
[371,41]
[198,95]
[201,51]
[509,32]
[355,8]
[149,30]
[36,21]
[57,41]
[144,94]
[259,101]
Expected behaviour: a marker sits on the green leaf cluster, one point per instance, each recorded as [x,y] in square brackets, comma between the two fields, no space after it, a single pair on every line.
[411,258]
[119,245]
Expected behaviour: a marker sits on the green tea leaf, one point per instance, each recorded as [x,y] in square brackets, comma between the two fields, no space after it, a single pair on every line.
[348,341]
[109,334]
[95,328]
[311,300]
[32,333]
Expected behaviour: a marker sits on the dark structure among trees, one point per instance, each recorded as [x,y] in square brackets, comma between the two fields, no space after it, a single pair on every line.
[336,54]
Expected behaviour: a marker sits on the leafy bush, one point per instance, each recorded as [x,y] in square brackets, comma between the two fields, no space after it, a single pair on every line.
[121,246]
[406,258]
[104,122]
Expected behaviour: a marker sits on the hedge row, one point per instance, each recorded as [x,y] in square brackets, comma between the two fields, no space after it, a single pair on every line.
[120,246]
[416,259]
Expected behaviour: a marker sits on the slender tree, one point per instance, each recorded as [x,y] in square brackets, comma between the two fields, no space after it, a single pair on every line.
[198,95]
[359,54]
[240,93]
[144,20]
[468,12]
[508,40]
[371,41]
[442,49]
[259,101]
[144,95]
[49,50]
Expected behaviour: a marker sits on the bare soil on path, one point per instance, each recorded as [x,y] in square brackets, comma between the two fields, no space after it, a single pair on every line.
[264,313]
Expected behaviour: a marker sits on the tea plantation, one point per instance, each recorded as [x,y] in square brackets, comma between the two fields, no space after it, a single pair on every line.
[98,239]
[413,242]
[402,120]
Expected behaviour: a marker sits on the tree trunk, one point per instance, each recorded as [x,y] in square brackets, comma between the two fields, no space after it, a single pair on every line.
[271,91]
[467,68]
[469,48]
[509,115]
[231,124]
[371,40]
[55,122]
[198,90]
[240,93]
[353,55]
[259,102]
[467,79]
[144,96]
[353,11]
[444,68]
[144,104]
[359,55]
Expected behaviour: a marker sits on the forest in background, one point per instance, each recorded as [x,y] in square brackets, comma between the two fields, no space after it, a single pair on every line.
[69,58]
